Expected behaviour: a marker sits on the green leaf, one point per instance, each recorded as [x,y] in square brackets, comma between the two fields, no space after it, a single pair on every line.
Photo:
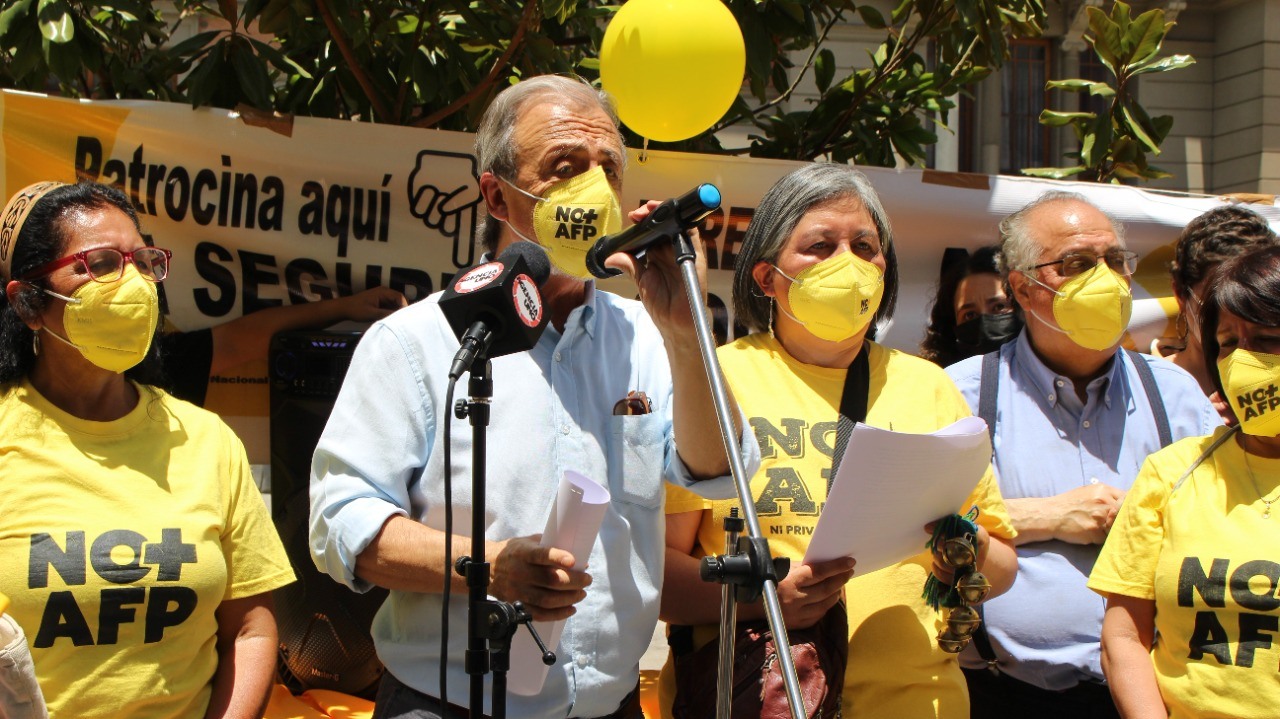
[56,24]
[1087,144]
[230,10]
[1134,118]
[251,75]
[824,69]
[282,62]
[16,11]
[1054,118]
[1104,36]
[193,44]
[872,17]
[590,63]
[1145,36]
[1160,127]
[1054,173]
[1070,85]
[1173,62]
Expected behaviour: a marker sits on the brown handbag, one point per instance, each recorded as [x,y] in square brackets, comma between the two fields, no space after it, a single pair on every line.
[820,654]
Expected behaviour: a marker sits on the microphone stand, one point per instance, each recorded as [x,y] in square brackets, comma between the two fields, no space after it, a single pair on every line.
[489,622]
[750,570]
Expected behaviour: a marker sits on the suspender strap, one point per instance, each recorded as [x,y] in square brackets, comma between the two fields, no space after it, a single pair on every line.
[853,405]
[988,389]
[1153,397]
[987,392]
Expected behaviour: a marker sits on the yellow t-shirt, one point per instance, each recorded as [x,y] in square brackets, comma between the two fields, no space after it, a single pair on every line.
[118,540]
[895,666]
[1207,557]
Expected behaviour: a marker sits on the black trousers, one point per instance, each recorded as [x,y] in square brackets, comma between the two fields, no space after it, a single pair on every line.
[397,700]
[1000,696]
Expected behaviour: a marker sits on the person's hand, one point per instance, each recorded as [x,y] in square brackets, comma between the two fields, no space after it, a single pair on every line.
[660,283]
[809,590]
[1223,409]
[373,304]
[945,572]
[1085,514]
[541,577]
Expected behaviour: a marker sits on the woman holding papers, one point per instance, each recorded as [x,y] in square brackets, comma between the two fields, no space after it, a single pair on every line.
[1189,568]
[816,269]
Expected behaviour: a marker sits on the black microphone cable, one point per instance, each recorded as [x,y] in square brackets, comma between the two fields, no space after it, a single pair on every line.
[448,547]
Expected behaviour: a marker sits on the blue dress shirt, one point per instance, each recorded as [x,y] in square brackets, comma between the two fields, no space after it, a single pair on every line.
[381,455]
[1046,629]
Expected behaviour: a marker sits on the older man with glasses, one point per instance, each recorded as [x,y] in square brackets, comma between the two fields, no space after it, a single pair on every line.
[1072,417]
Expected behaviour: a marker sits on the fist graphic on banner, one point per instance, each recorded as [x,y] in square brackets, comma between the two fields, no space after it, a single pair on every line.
[444,191]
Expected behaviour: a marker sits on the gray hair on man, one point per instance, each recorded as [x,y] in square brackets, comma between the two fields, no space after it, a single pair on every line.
[495,147]
[1019,250]
[776,217]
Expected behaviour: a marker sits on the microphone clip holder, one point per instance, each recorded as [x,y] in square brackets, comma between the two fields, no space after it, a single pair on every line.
[746,569]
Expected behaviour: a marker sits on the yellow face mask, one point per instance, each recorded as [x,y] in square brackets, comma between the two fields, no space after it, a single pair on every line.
[572,216]
[111,323]
[1251,382]
[836,298]
[1092,308]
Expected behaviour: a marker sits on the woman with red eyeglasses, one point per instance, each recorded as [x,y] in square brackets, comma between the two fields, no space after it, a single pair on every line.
[136,550]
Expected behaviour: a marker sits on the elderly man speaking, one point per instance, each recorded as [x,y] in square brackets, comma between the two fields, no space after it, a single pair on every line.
[545,146]
[1074,418]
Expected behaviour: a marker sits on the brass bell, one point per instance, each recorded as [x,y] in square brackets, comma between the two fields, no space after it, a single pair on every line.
[963,620]
[973,587]
[959,552]
[951,643]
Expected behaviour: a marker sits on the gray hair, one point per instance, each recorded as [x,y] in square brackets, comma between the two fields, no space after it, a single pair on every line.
[1019,250]
[776,217]
[495,147]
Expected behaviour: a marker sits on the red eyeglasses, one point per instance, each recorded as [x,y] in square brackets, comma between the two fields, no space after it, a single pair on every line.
[106,264]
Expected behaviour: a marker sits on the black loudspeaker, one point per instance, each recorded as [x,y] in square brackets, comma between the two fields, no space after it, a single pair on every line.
[323,626]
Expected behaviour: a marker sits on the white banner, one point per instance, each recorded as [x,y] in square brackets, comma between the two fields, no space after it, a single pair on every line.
[265,211]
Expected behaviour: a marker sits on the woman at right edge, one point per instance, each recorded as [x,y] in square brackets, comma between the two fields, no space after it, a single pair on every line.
[817,267]
[1189,568]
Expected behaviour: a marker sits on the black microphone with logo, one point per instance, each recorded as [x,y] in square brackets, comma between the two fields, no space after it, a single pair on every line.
[495,309]
[667,220]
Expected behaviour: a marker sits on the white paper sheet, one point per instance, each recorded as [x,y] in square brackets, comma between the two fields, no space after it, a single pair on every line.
[572,526]
[891,484]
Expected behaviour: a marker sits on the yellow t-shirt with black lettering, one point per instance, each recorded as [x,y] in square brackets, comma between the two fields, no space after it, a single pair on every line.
[895,666]
[118,540]
[1208,559]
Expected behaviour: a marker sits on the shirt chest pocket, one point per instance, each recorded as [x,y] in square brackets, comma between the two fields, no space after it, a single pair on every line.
[637,445]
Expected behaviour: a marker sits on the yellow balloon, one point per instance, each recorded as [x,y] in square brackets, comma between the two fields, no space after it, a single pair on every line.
[672,66]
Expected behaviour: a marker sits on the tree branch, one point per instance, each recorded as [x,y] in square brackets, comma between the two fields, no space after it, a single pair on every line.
[417,43]
[526,19]
[900,51]
[782,98]
[344,48]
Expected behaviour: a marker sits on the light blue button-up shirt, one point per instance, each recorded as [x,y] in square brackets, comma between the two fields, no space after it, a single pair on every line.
[1046,629]
[381,455]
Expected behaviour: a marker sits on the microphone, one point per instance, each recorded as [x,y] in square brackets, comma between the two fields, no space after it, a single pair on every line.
[495,309]
[665,222]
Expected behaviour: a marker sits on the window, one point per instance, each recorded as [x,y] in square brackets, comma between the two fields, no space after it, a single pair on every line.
[1026,141]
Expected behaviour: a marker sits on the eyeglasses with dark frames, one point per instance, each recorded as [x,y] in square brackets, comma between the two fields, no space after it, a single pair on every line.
[106,264]
[1121,262]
